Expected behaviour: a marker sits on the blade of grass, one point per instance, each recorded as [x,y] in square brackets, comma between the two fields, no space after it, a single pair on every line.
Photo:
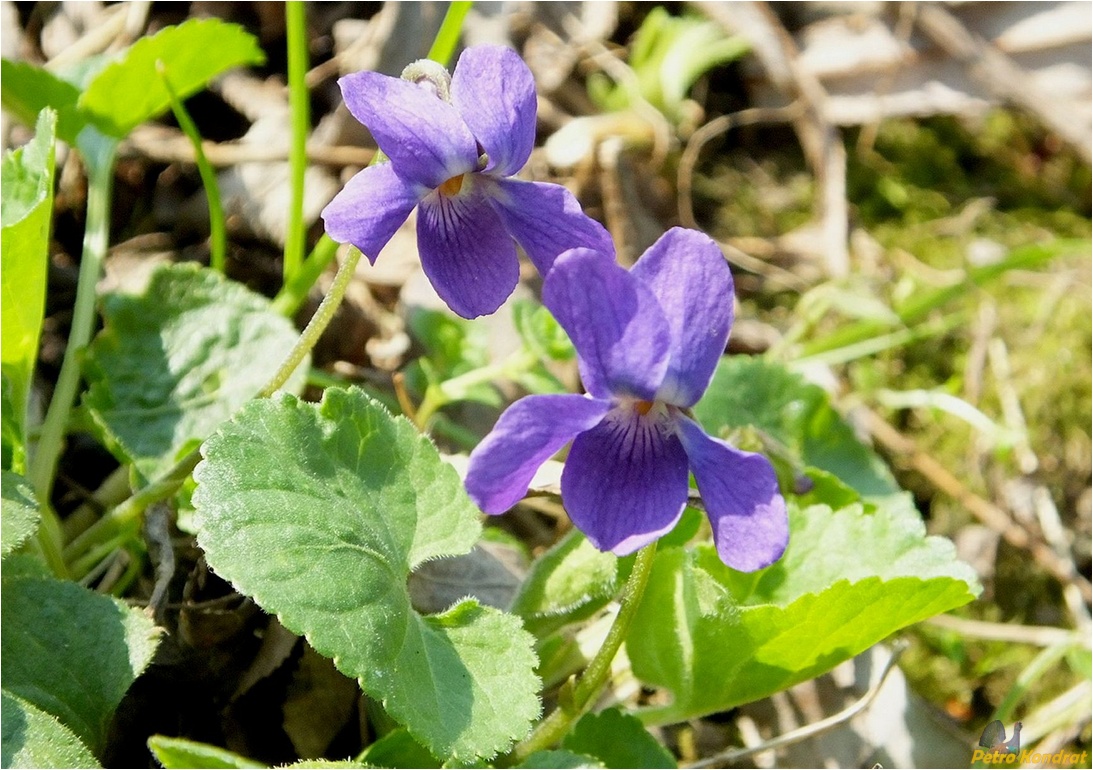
[299,283]
[922,304]
[299,107]
[448,35]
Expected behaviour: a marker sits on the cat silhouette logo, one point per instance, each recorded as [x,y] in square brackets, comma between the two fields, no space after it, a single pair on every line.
[993,738]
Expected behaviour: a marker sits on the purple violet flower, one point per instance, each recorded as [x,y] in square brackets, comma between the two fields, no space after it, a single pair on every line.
[647,342]
[453,147]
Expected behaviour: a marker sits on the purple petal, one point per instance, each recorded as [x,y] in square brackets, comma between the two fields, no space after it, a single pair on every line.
[691,280]
[740,491]
[527,435]
[620,333]
[494,91]
[546,220]
[625,481]
[466,252]
[423,135]
[369,209]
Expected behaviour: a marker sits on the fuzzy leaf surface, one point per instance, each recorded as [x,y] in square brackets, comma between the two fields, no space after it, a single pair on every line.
[180,753]
[320,512]
[848,580]
[32,738]
[174,362]
[70,652]
[129,90]
[568,583]
[19,515]
[619,740]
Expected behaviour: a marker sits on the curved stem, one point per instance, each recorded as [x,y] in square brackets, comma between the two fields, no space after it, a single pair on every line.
[317,325]
[299,106]
[588,687]
[218,241]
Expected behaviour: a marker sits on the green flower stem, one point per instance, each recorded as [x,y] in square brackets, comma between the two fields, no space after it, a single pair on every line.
[299,283]
[218,241]
[99,157]
[439,395]
[448,35]
[317,325]
[299,107]
[294,292]
[584,693]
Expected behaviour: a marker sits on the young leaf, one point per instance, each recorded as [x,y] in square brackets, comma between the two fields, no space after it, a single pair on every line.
[129,91]
[320,512]
[19,515]
[70,652]
[180,753]
[29,737]
[27,185]
[28,90]
[398,749]
[566,584]
[541,334]
[846,582]
[174,362]
[751,391]
[618,740]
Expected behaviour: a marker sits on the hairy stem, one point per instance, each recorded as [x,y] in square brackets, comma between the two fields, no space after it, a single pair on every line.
[591,683]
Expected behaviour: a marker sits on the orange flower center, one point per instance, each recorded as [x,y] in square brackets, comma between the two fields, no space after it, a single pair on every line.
[452,186]
[643,407]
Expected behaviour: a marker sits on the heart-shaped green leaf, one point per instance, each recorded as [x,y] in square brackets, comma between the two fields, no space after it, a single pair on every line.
[320,512]
[174,362]
[848,580]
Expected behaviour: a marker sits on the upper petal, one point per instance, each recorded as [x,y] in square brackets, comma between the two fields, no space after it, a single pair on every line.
[423,135]
[625,481]
[494,91]
[620,333]
[740,492]
[466,252]
[527,435]
[691,280]
[370,208]
[546,220]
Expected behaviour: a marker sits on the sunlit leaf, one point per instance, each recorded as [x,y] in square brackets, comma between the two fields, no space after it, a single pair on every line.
[717,638]
[323,524]
[27,188]
[19,516]
[129,90]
